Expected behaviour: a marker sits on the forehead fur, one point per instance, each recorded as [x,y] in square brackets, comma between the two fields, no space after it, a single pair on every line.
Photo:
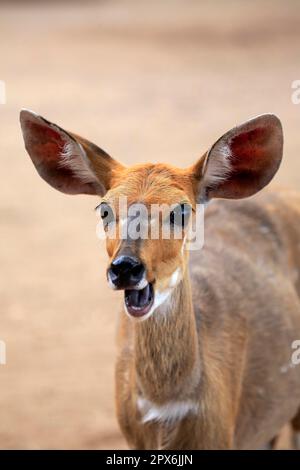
[152,184]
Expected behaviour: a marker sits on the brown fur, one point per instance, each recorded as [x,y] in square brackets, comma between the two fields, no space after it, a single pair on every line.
[247,311]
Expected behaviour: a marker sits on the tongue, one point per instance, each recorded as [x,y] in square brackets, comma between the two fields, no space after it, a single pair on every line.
[139,302]
[138,298]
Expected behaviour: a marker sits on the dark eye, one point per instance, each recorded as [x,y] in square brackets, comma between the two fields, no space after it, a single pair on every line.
[106,213]
[180,215]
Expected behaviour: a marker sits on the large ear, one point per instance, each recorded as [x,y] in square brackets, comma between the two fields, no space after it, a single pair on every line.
[66,161]
[242,161]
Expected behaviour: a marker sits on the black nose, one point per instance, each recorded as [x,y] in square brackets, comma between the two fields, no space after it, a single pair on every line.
[126,271]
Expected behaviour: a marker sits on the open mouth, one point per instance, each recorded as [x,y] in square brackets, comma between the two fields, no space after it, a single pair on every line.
[139,302]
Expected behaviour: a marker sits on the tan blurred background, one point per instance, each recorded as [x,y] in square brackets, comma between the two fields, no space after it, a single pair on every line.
[146,80]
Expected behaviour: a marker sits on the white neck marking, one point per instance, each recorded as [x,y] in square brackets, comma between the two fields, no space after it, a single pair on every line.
[170,412]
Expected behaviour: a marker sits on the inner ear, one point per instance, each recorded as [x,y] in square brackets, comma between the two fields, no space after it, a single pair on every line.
[66,161]
[243,160]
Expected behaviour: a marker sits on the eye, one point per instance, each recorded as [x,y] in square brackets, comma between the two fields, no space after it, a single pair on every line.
[106,213]
[179,216]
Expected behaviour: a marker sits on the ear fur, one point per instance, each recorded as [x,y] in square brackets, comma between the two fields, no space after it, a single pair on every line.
[66,161]
[242,161]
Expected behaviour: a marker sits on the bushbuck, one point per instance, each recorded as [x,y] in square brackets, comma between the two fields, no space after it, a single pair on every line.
[205,337]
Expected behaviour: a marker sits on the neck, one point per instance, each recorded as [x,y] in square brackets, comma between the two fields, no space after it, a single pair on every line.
[166,349]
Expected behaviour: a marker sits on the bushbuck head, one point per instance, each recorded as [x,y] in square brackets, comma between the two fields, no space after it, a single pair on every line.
[148,267]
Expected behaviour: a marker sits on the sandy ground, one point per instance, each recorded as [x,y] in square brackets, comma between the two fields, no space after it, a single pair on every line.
[147,81]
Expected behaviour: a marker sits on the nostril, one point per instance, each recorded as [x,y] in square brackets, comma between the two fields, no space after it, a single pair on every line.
[115,269]
[121,267]
[138,270]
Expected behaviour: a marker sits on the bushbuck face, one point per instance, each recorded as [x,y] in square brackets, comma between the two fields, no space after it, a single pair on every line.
[149,264]
[147,260]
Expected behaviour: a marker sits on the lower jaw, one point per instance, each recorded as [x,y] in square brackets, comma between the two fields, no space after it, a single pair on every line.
[137,311]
